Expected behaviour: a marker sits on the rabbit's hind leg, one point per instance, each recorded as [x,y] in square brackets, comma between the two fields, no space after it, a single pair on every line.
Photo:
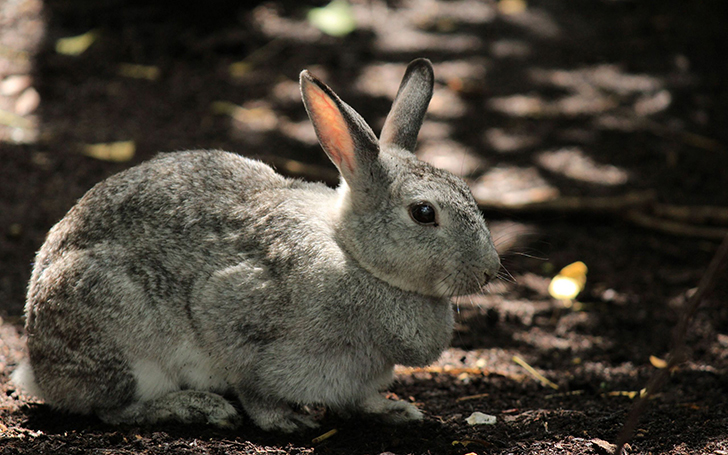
[186,406]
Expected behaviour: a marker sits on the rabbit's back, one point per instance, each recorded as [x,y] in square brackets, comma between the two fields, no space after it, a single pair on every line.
[167,210]
[159,198]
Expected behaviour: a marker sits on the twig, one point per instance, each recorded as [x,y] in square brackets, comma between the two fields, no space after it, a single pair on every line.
[571,393]
[324,436]
[473,397]
[677,353]
[541,378]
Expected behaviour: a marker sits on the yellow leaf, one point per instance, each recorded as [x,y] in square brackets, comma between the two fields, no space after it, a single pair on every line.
[113,151]
[76,45]
[569,282]
[657,362]
[575,270]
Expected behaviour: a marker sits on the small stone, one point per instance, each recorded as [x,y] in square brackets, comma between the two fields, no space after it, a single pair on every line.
[602,447]
[478,418]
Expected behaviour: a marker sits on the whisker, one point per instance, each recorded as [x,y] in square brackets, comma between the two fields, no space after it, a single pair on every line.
[527,255]
[504,275]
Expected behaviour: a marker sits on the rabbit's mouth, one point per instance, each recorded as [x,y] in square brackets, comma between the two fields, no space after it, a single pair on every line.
[467,279]
[455,288]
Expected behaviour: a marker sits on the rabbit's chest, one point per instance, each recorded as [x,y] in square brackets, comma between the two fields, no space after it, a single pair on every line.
[337,376]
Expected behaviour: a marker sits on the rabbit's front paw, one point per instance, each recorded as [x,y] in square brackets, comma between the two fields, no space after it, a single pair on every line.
[389,411]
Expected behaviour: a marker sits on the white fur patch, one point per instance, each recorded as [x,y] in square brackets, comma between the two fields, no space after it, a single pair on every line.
[24,377]
[196,369]
[152,381]
[183,367]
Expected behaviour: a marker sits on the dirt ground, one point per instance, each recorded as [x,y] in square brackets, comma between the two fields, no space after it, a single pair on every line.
[587,130]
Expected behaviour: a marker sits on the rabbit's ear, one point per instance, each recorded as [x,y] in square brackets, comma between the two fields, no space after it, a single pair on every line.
[345,137]
[410,105]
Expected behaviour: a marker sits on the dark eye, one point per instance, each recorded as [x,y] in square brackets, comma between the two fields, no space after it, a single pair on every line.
[423,213]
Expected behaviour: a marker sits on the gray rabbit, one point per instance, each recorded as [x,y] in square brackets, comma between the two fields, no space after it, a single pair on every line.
[204,273]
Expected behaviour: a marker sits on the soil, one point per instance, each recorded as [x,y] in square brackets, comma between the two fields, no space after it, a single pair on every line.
[534,101]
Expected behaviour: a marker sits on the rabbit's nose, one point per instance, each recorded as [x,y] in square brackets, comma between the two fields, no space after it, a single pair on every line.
[492,270]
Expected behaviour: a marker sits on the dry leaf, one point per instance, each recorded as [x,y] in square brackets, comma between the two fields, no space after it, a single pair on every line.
[657,362]
[113,151]
[76,45]
[569,282]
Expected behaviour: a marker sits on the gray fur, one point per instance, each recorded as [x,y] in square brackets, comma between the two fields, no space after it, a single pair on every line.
[410,106]
[201,273]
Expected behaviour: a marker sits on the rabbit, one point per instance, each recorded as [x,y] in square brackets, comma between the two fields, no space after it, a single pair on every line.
[203,274]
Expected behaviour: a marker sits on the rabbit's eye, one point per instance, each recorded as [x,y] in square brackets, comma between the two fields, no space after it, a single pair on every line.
[423,213]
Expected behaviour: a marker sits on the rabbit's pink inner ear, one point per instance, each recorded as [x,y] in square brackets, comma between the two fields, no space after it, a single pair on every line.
[331,128]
